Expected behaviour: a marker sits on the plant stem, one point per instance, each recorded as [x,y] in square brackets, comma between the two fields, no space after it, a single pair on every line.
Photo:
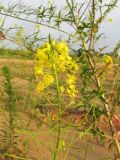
[34,22]
[59,112]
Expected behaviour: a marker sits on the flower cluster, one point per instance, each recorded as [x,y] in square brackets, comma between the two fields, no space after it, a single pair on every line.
[55,54]
[107,59]
[71,80]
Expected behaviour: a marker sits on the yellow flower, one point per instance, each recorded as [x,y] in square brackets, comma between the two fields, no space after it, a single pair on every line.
[62,57]
[46,47]
[40,87]
[73,66]
[71,79]
[39,70]
[62,67]
[48,79]
[62,47]
[107,59]
[76,67]
[41,55]
[69,58]
[71,91]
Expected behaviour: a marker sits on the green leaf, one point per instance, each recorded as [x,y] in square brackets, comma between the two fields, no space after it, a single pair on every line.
[100,1]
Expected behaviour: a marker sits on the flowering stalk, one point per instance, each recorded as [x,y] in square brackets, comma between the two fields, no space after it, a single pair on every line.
[59,111]
[58,60]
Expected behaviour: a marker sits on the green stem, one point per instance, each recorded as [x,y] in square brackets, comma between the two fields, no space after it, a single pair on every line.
[59,112]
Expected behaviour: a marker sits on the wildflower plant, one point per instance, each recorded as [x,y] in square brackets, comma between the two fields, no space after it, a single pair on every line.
[10,136]
[56,57]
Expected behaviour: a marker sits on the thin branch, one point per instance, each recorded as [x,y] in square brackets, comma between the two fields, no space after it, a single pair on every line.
[31,21]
